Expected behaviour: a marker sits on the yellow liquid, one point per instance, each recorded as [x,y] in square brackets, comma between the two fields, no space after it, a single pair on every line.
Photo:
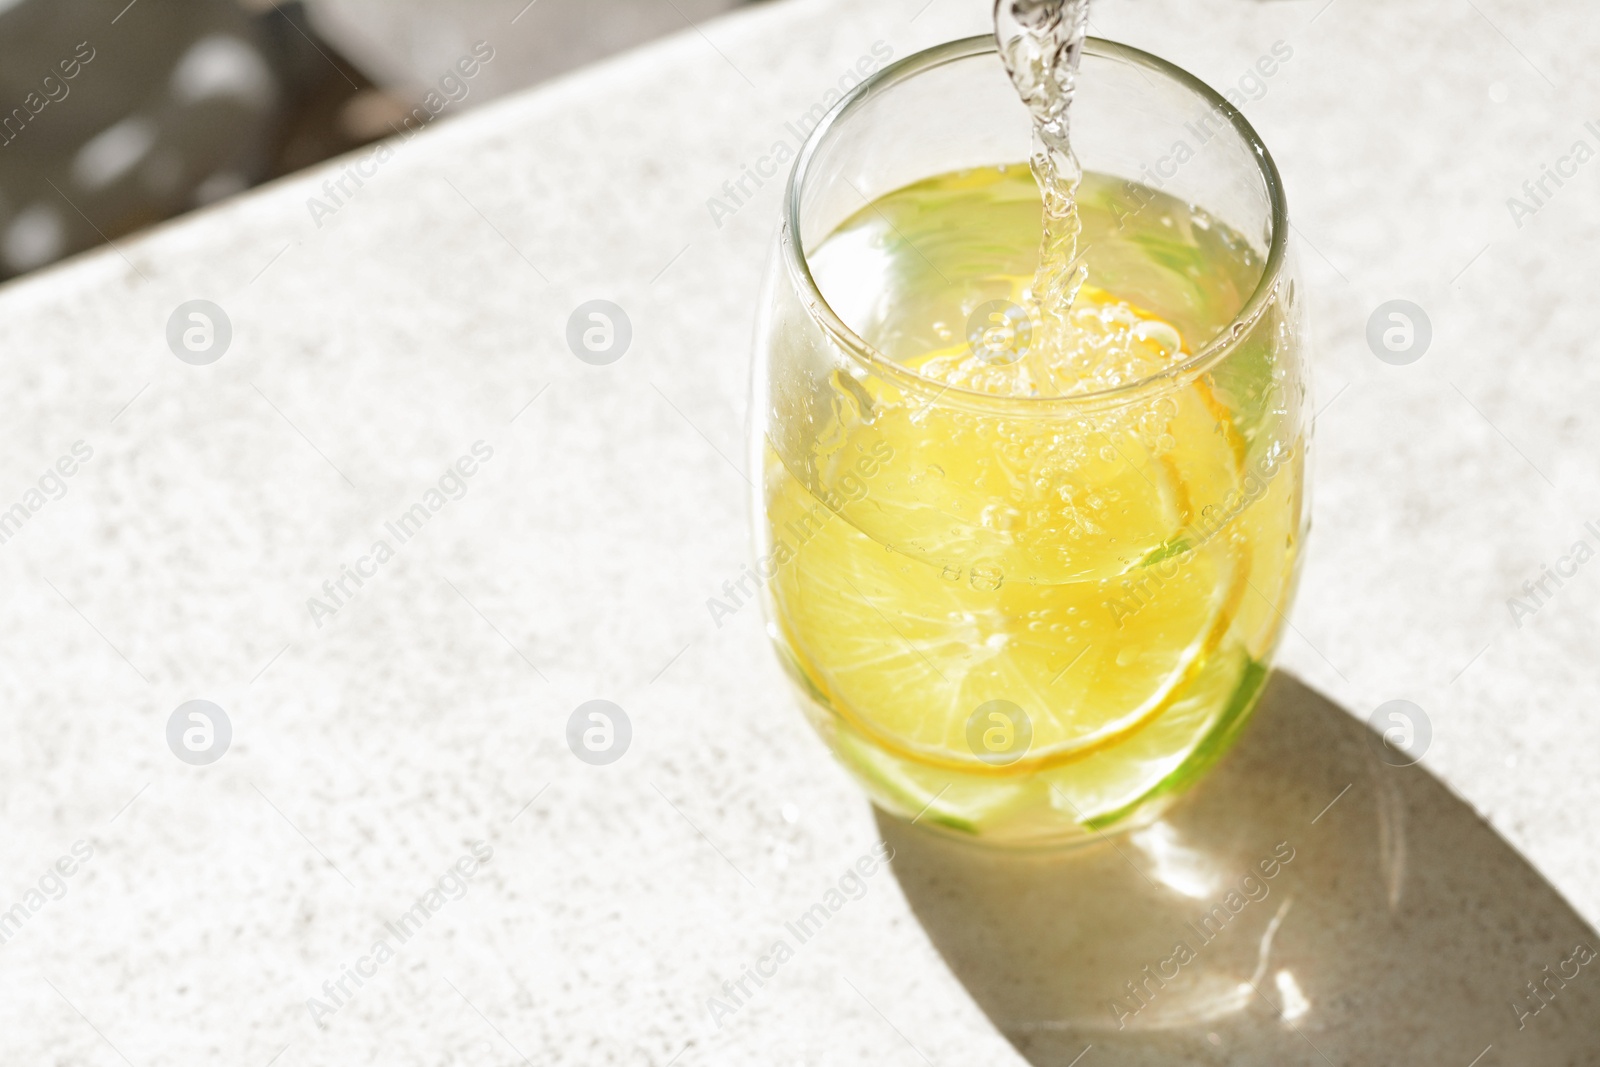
[1108,581]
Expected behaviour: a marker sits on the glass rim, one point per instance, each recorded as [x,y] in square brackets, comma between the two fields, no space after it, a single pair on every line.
[857,347]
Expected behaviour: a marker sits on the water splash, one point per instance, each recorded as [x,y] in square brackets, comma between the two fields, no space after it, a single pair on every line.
[1041,42]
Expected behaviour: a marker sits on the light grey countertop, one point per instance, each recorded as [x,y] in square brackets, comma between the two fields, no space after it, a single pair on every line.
[428,712]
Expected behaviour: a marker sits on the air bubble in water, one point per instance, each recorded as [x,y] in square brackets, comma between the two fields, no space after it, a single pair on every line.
[986,577]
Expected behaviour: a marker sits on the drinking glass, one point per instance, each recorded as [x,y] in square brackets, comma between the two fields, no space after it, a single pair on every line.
[1022,617]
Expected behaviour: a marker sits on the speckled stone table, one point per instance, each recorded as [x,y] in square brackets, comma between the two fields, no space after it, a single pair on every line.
[398,859]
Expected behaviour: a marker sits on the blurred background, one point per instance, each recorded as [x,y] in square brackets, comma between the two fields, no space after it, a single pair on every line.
[117,115]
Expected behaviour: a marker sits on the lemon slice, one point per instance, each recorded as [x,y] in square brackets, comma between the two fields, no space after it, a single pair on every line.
[906,650]
[1093,792]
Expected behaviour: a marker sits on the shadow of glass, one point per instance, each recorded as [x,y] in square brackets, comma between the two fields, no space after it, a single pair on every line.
[1307,903]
